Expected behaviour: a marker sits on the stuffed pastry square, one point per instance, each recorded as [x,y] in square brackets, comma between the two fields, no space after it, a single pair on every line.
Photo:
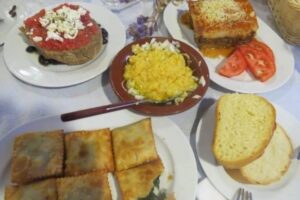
[88,151]
[42,190]
[133,145]
[93,186]
[139,182]
[37,155]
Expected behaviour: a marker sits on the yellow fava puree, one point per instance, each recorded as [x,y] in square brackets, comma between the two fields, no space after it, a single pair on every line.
[159,74]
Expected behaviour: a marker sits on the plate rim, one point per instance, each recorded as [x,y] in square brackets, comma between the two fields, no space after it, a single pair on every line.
[165,136]
[96,67]
[254,86]
[208,168]
[152,109]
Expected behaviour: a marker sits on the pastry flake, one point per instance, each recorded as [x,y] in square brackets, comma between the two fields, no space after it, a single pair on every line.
[43,190]
[133,145]
[88,151]
[136,183]
[37,155]
[93,186]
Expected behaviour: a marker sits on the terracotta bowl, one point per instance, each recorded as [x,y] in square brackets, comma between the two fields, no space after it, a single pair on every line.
[198,66]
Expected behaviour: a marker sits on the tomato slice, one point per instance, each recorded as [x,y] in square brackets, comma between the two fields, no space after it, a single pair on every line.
[262,47]
[260,65]
[234,65]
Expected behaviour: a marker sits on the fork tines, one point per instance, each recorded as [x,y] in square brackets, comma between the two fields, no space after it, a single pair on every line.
[244,195]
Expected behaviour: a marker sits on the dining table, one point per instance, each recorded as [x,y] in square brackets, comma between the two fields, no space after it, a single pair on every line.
[21,102]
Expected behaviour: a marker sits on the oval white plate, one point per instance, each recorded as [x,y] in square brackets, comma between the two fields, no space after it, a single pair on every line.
[286,188]
[25,66]
[171,144]
[244,82]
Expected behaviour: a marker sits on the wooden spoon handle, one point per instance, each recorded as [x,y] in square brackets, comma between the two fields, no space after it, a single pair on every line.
[98,110]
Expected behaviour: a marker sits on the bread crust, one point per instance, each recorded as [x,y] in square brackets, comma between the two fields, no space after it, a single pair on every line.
[71,57]
[236,164]
[252,180]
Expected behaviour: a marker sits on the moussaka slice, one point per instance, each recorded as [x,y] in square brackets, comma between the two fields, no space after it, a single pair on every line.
[41,190]
[37,155]
[139,182]
[224,23]
[88,151]
[133,145]
[93,186]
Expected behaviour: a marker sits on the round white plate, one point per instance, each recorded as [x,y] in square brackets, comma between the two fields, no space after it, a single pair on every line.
[7,22]
[26,67]
[286,188]
[172,146]
[244,82]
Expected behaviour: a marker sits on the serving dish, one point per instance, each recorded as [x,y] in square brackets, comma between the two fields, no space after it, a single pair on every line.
[197,65]
[286,187]
[172,146]
[28,69]
[244,82]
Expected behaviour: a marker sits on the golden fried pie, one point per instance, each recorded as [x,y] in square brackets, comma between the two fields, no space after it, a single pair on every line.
[38,191]
[88,151]
[138,182]
[93,186]
[133,145]
[37,155]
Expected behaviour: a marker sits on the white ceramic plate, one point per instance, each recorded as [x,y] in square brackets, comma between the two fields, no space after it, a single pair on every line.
[171,144]
[286,188]
[244,82]
[26,67]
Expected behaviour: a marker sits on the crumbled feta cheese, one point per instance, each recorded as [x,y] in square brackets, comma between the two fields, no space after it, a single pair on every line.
[81,11]
[30,32]
[37,39]
[44,21]
[63,23]
[54,36]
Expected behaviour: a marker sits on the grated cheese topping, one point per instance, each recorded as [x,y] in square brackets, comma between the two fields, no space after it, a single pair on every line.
[221,11]
[63,23]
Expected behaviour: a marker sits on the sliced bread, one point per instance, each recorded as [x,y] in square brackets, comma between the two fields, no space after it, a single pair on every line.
[274,162]
[244,127]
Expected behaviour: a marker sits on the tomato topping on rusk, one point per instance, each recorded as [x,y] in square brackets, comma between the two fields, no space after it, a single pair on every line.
[234,65]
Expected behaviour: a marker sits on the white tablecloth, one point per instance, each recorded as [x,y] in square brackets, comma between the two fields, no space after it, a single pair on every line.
[20,102]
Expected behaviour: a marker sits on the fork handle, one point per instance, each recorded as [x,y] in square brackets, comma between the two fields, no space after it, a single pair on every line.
[98,110]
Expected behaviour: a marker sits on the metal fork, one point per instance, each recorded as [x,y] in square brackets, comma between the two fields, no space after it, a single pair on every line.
[243,194]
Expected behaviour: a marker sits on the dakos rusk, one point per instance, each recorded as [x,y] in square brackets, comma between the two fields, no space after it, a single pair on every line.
[245,124]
